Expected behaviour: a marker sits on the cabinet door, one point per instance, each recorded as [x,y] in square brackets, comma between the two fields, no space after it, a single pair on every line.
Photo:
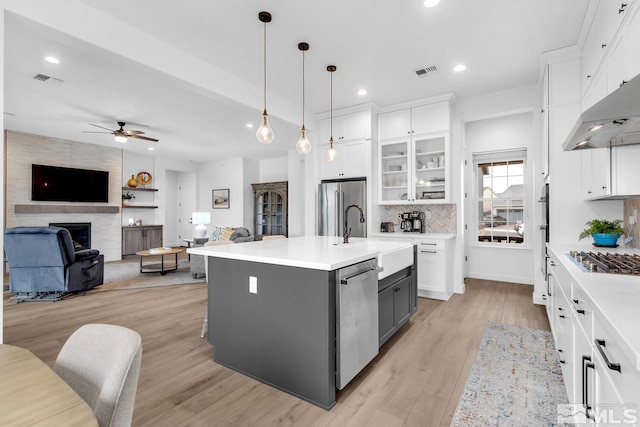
[355,126]
[386,314]
[394,165]
[353,159]
[581,383]
[618,63]
[601,169]
[324,131]
[331,170]
[430,118]
[394,124]
[402,301]
[431,265]
[626,174]
[153,237]
[633,33]
[430,166]
[132,240]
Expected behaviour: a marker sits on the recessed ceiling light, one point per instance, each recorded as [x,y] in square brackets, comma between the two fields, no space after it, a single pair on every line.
[431,3]
[362,92]
[150,148]
[52,59]
[596,127]
[459,67]
[249,125]
[582,143]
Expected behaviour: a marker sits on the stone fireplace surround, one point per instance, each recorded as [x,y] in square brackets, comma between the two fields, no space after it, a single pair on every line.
[23,149]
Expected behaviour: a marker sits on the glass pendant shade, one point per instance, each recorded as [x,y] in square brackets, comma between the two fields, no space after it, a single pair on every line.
[121,138]
[264,134]
[303,146]
[331,155]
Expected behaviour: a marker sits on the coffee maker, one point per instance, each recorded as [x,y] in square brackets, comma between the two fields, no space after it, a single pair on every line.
[412,222]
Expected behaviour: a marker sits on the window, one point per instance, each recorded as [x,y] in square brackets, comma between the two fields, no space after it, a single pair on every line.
[500,197]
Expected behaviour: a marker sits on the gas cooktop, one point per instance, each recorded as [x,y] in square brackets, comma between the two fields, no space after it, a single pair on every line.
[606,262]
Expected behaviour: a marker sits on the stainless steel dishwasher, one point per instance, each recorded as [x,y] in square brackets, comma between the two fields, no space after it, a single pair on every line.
[356,319]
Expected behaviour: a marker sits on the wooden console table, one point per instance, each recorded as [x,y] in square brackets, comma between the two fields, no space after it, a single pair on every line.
[163,267]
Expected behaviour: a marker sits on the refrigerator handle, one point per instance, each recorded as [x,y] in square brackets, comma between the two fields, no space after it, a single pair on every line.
[340,214]
[336,196]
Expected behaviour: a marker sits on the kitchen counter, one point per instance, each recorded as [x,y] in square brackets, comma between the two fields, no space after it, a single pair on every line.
[616,297]
[414,236]
[313,252]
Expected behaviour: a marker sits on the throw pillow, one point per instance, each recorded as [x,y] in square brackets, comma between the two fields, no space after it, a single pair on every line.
[216,233]
[227,234]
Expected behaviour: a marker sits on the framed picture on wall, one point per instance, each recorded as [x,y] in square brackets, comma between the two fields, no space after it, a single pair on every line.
[220,199]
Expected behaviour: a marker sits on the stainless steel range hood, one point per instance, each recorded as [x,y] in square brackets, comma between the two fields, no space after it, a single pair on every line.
[615,120]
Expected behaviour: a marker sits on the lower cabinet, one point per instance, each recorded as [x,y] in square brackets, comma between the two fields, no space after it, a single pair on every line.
[140,238]
[396,303]
[435,266]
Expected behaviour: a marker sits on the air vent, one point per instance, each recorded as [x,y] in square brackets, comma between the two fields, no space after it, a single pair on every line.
[8,114]
[425,71]
[48,79]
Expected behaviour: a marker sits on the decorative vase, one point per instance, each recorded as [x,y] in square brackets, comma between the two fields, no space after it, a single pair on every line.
[132,181]
[125,202]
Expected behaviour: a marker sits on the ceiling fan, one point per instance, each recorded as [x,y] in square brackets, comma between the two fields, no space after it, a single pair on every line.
[121,134]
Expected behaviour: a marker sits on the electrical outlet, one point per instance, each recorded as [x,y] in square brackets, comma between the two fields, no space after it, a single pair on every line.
[253,285]
[632,220]
[427,214]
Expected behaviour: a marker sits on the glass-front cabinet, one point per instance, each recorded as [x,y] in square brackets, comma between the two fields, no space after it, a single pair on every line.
[414,170]
[270,208]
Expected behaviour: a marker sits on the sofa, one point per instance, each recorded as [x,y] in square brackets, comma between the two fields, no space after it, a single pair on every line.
[235,234]
[44,264]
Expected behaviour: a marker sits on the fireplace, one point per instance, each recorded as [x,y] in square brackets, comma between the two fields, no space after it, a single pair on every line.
[80,233]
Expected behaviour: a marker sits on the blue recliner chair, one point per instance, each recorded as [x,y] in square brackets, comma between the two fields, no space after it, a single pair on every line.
[43,265]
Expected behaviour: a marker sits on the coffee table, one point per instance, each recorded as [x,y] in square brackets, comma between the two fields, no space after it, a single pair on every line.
[162,267]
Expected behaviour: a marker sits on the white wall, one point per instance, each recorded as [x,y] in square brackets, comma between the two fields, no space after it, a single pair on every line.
[516,263]
[273,170]
[3,145]
[133,164]
[491,105]
[223,174]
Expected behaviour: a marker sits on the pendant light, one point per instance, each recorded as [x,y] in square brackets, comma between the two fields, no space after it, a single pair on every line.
[265,133]
[303,145]
[331,155]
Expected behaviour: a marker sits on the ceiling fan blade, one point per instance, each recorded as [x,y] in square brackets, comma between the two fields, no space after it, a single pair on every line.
[101,127]
[132,132]
[146,138]
[90,131]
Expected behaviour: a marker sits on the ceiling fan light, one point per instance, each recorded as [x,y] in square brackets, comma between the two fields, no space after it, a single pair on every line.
[431,3]
[303,146]
[121,138]
[264,134]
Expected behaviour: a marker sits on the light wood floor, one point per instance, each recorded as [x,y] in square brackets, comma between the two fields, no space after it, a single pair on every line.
[416,380]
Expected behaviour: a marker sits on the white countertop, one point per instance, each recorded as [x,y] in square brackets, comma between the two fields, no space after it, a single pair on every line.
[616,296]
[314,252]
[414,236]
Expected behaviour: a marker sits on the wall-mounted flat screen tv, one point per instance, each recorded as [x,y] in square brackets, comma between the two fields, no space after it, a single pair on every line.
[58,184]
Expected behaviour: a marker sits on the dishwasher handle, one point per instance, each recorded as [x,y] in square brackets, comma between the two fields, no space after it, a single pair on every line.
[346,280]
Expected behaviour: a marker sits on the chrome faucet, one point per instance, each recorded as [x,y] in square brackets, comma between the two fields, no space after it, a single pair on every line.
[347,230]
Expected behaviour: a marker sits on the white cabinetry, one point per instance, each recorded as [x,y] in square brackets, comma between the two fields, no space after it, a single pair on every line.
[352,162]
[414,121]
[596,173]
[435,265]
[610,172]
[599,371]
[413,170]
[346,127]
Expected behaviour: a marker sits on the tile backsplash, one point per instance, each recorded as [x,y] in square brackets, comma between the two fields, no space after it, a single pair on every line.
[443,217]
[632,230]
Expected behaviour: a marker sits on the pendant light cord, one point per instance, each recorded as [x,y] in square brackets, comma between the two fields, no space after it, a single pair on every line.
[264,65]
[331,97]
[303,88]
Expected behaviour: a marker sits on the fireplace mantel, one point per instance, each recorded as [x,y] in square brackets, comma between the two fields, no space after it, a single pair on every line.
[61,209]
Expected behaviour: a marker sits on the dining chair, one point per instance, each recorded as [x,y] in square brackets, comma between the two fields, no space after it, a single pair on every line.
[273,237]
[205,323]
[102,364]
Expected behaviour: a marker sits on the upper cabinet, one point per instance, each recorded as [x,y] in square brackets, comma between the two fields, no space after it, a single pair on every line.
[608,54]
[417,120]
[346,127]
[352,162]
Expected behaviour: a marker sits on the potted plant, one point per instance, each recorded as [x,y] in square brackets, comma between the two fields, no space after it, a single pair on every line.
[126,197]
[604,233]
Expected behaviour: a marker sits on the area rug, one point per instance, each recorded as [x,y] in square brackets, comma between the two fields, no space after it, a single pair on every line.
[516,380]
[126,275]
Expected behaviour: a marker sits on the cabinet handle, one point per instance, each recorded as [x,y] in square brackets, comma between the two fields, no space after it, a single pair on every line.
[624,82]
[604,45]
[610,365]
[553,264]
[589,192]
[622,6]
[422,251]
[588,76]
[559,359]
[604,188]
[586,364]
[561,316]
[560,308]
[428,244]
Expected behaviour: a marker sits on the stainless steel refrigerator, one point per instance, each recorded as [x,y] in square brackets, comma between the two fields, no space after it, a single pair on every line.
[335,197]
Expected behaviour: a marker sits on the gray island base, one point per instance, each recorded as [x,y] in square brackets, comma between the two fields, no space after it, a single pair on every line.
[302,323]
[283,335]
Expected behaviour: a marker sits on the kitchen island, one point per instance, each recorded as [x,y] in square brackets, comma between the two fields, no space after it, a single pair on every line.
[302,314]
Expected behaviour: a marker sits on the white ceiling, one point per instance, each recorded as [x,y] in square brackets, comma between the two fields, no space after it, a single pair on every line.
[375,44]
